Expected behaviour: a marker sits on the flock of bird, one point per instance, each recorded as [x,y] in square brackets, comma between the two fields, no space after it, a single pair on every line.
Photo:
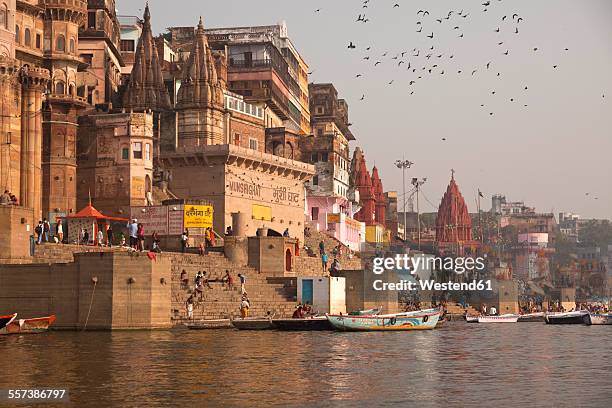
[428,62]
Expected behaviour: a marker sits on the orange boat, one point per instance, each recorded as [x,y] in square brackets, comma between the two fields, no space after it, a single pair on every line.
[28,326]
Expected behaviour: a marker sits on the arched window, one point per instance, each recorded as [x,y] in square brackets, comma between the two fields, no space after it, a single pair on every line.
[72,46]
[4,15]
[60,88]
[27,37]
[60,44]
[17,35]
[72,90]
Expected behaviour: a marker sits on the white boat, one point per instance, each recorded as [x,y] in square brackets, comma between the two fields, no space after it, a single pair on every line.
[599,319]
[471,319]
[506,318]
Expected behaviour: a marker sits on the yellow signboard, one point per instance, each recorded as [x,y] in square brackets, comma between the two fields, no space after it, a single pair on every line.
[333,218]
[198,216]
[262,212]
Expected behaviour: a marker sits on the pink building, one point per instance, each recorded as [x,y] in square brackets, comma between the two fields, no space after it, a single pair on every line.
[331,215]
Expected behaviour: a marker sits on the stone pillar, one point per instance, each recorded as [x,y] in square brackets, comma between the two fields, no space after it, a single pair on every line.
[10,129]
[240,224]
[34,82]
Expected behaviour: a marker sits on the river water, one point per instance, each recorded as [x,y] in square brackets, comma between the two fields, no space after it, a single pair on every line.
[518,365]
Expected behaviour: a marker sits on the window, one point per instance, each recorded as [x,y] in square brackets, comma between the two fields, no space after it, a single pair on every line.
[60,88]
[313,158]
[137,150]
[253,144]
[17,35]
[60,44]
[91,19]
[4,16]
[125,153]
[72,47]
[38,41]
[237,139]
[319,110]
[148,151]
[127,45]
[324,157]
[319,132]
[315,181]
[27,37]
[87,58]
[315,213]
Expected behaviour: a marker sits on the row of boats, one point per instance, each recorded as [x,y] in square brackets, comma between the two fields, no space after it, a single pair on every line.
[9,324]
[367,320]
[575,317]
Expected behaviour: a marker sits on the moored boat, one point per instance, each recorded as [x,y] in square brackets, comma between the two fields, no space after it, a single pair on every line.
[210,324]
[368,312]
[315,323]
[471,319]
[577,317]
[531,317]
[507,318]
[398,322]
[28,326]
[5,320]
[598,319]
[253,323]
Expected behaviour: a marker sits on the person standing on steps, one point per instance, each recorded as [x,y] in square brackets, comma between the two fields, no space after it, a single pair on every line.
[324,259]
[245,305]
[46,229]
[242,283]
[109,236]
[133,233]
[189,306]
[60,231]
[321,248]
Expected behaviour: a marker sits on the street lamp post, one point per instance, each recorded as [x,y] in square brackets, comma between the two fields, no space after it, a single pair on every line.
[404,164]
[417,185]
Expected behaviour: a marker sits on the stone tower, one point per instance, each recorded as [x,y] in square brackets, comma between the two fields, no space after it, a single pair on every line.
[379,196]
[146,89]
[200,103]
[10,126]
[363,183]
[453,223]
[61,20]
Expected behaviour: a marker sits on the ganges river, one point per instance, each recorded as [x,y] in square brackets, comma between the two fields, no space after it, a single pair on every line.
[459,365]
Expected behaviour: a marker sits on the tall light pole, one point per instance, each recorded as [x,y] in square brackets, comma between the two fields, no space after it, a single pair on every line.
[404,164]
[417,184]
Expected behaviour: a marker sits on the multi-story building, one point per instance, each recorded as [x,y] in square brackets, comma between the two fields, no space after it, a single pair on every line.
[502,207]
[265,67]
[569,225]
[130,31]
[99,47]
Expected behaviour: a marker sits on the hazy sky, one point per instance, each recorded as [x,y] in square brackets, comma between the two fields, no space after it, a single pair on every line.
[549,154]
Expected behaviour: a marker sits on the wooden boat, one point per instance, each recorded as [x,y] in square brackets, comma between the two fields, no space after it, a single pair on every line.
[507,318]
[210,324]
[5,320]
[398,322]
[315,323]
[598,319]
[253,323]
[531,317]
[28,326]
[471,319]
[441,322]
[577,317]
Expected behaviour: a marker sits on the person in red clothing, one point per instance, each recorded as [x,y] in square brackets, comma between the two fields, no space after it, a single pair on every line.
[299,313]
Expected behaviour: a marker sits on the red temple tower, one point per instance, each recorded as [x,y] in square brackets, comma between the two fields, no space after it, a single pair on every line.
[379,197]
[453,223]
[363,183]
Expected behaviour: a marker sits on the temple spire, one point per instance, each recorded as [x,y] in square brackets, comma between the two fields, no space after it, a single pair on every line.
[146,89]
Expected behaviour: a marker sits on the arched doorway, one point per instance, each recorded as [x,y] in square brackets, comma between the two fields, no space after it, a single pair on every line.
[288,260]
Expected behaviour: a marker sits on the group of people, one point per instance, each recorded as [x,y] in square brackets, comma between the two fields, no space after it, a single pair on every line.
[8,198]
[136,232]
[302,310]
[335,265]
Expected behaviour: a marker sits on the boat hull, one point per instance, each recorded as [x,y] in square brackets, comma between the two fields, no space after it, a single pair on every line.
[6,320]
[471,319]
[426,321]
[531,317]
[29,326]
[498,319]
[308,324]
[599,319]
[210,325]
[253,324]
[567,318]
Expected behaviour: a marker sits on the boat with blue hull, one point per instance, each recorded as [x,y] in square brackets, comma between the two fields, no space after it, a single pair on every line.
[398,322]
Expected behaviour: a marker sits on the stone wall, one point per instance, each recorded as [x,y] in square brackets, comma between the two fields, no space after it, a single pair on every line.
[16,224]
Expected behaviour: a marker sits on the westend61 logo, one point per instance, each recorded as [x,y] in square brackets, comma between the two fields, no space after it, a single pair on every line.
[405,263]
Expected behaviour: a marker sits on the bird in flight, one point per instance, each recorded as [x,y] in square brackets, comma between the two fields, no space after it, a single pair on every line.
[555,66]
[351,45]
[366,58]
[461,36]
[391,82]
[396,5]
[376,63]
[474,71]
[431,36]
[514,16]
[317,10]
[497,30]
[425,12]
[488,64]
[419,30]
[506,53]
[516,30]
[358,76]
[362,97]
